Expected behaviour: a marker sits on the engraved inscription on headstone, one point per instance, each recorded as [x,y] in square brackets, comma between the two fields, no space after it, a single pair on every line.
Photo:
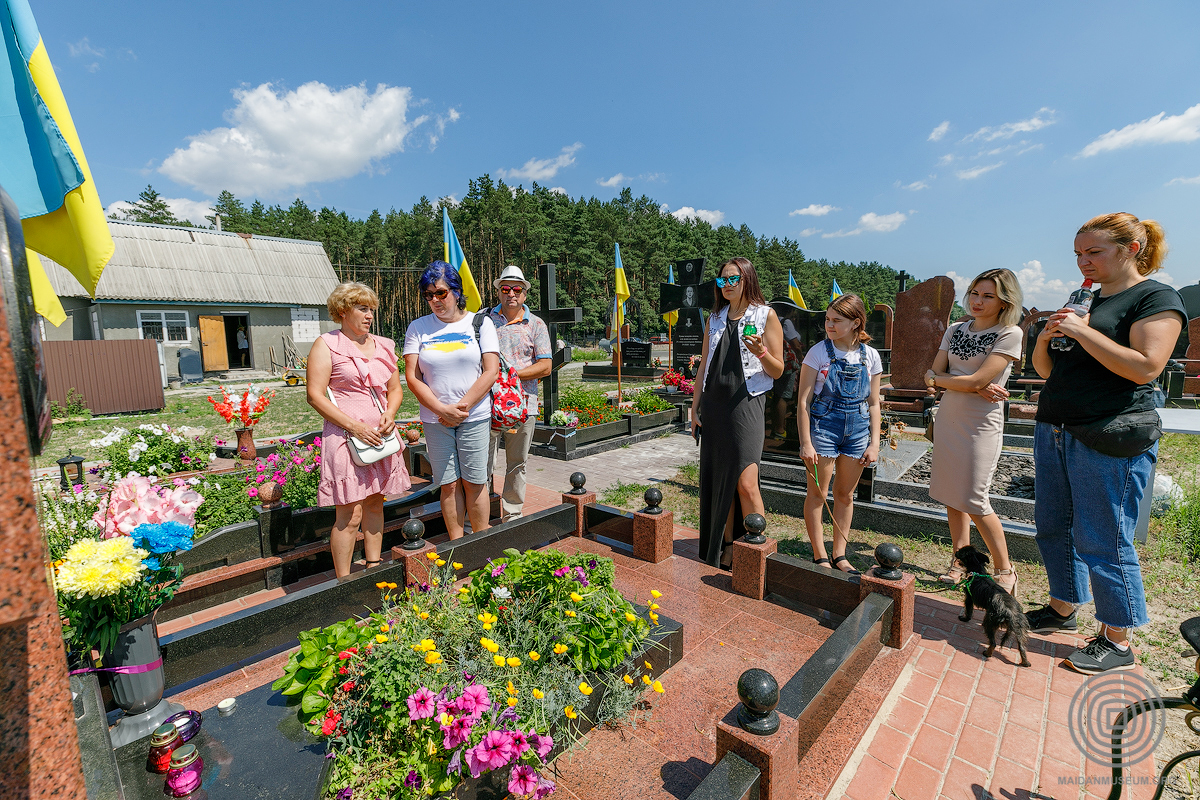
[687,298]
[553,316]
[635,354]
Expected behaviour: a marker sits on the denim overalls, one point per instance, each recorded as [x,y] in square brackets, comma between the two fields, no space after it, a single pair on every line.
[841,419]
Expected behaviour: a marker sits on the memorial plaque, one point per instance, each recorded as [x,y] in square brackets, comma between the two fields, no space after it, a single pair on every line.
[635,354]
[686,297]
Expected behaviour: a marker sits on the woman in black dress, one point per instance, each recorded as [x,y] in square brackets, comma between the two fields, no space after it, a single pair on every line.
[742,358]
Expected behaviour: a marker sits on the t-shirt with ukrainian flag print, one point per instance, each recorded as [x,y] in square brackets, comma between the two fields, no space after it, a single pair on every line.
[449,359]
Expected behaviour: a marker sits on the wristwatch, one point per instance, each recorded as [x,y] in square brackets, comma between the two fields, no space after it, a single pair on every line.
[930,381]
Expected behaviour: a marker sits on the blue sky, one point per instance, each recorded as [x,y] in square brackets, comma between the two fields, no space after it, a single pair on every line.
[936,137]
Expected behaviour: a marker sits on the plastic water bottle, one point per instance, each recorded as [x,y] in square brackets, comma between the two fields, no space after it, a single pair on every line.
[1080,302]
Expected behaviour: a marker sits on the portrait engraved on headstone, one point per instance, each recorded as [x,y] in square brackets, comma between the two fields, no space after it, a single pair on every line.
[686,298]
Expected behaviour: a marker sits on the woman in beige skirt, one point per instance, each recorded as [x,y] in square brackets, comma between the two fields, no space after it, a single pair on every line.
[972,365]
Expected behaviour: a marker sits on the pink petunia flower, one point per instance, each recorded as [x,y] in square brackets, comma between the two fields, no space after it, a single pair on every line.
[475,699]
[542,744]
[523,780]
[252,491]
[457,732]
[495,750]
[422,704]
[520,743]
[474,762]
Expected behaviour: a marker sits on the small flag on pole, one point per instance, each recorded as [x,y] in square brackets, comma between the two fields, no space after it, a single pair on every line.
[835,292]
[794,291]
[620,289]
[671,317]
[43,165]
[455,257]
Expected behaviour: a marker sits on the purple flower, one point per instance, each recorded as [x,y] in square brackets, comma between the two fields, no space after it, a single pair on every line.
[457,732]
[345,794]
[413,780]
[455,765]
[523,780]
[544,788]
[580,576]
[497,571]
[422,704]
[468,678]
[493,752]
[508,715]
[542,744]
[592,563]
[424,587]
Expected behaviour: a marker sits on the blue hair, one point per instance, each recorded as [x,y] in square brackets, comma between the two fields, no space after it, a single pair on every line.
[441,271]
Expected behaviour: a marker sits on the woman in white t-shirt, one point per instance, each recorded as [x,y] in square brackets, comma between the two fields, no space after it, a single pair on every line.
[451,368]
[840,379]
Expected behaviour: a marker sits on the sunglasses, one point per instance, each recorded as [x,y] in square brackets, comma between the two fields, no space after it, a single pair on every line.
[439,294]
[511,289]
[732,280]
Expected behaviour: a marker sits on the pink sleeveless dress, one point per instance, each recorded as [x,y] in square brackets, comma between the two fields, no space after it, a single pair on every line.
[342,481]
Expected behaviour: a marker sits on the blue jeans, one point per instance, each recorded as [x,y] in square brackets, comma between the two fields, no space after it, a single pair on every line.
[1086,513]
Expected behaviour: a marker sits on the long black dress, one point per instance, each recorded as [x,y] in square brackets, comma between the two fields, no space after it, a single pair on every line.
[731,439]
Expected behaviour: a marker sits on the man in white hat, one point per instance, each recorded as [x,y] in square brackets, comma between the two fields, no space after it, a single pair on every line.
[524,344]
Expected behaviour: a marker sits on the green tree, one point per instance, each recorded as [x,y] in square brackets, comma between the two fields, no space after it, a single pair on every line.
[151,207]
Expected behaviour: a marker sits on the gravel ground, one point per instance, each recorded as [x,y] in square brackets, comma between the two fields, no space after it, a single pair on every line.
[1013,478]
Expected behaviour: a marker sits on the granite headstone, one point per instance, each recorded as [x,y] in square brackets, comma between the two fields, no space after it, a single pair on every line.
[922,316]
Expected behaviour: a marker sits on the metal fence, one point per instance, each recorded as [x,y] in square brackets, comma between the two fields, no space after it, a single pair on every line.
[113,376]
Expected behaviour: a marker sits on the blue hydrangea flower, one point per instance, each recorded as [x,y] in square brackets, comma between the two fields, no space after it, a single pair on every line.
[165,537]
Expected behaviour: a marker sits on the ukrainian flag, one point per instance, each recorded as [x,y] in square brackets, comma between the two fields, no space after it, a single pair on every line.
[620,289]
[454,256]
[794,291]
[835,292]
[671,317]
[42,166]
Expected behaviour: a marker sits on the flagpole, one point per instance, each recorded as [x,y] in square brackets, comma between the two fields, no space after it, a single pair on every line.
[620,358]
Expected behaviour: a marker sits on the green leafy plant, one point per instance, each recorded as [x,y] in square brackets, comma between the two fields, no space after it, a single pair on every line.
[153,450]
[1180,534]
[74,406]
[647,402]
[225,502]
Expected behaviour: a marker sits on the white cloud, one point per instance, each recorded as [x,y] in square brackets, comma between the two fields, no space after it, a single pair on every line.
[614,181]
[1165,277]
[1038,146]
[938,132]
[809,232]
[813,210]
[1183,180]
[1040,291]
[281,141]
[872,223]
[713,218]
[557,190]
[194,211]
[949,158]
[1159,129]
[1042,119]
[84,49]
[915,186]
[961,282]
[975,172]
[540,169]
[440,123]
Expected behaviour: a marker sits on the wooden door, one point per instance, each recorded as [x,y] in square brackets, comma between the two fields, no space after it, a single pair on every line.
[213,351]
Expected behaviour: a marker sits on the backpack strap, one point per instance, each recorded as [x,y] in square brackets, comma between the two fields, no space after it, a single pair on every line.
[477,323]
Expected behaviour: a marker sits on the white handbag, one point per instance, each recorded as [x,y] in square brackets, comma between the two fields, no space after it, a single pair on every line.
[361,453]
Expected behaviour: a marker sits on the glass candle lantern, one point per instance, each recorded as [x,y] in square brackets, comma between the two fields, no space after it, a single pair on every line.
[163,742]
[187,723]
[184,776]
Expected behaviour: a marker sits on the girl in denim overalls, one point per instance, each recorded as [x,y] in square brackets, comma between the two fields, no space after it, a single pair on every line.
[839,428]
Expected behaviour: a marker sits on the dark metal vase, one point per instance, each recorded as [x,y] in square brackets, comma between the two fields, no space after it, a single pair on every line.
[140,695]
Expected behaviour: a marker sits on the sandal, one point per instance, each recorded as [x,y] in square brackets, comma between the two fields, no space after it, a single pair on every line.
[821,562]
[1011,588]
[953,575]
[370,564]
[839,559]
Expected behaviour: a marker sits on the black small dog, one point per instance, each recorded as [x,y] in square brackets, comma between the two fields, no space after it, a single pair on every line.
[1000,609]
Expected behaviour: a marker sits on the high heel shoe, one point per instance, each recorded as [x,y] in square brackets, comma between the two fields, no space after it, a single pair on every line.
[953,575]
[1011,588]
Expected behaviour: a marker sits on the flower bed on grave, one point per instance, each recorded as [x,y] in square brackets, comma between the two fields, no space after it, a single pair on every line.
[485,682]
[587,416]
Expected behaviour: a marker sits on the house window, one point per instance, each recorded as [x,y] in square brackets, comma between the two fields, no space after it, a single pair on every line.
[170,327]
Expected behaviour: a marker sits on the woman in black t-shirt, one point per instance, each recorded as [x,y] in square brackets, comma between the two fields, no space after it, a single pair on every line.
[1088,502]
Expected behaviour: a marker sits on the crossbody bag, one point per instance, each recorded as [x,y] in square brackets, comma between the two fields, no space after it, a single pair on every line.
[361,453]
[1122,435]
[510,404]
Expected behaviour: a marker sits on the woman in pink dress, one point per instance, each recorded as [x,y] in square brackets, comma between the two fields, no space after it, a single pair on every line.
[339,360]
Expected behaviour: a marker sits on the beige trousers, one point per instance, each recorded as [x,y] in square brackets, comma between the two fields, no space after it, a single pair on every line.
[516,452]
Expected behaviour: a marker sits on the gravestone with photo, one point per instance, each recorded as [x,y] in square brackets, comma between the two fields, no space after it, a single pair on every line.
[688,298]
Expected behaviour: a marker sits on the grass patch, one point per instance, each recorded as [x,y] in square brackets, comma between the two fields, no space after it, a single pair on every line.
[624,495]
[579,354]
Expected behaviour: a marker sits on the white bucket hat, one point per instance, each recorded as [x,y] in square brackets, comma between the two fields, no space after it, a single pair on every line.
[511,274]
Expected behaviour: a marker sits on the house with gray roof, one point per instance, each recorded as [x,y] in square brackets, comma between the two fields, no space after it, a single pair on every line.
[230,296]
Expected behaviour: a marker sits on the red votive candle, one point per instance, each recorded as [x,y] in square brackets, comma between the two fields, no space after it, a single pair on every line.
[163,742]
[184,776]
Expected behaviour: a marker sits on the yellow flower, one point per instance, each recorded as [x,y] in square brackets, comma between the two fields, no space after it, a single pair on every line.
[416,608]
[533,655]
[653,617]
[513,661]
[511,689]
[658,687]
[576,597]
[559,649]
[384,628]
[489,645]
[456,565]
[433,582]
[487,618]
[569,612]
[433,657]
[499,660]
[655,593]
[463,590]
[628,680]
[424,615]
[432,556]
[512,701]
[424,646]
[445,719]
[654,606]
[629,617]
[380,638]
[569,711]
[538,694]
[391,586]
[487,626]
[441,562]
[646,679]
[583,687]
[647,663]
[381,585]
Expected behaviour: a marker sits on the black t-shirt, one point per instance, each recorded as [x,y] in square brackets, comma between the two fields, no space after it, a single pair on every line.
[1080,389]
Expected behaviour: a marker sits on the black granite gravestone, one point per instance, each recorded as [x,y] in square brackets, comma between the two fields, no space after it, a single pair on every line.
[688,298]
[553,316]
[635,354]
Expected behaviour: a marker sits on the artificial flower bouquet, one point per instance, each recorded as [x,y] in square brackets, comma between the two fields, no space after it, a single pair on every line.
[478,680]
[120,568]
[245,410]
[153,450]
[564,419]
[677,379]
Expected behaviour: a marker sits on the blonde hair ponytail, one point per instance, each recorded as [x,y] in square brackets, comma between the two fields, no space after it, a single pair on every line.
[1154,248]
[1125,229]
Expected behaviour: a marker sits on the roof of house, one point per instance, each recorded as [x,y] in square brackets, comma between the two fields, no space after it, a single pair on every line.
[165,263]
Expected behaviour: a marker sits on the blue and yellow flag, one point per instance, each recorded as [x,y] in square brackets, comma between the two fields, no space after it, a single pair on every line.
[671,317]
[620,289]
[794,291]
[454,256]
[42,166]
[835,292]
